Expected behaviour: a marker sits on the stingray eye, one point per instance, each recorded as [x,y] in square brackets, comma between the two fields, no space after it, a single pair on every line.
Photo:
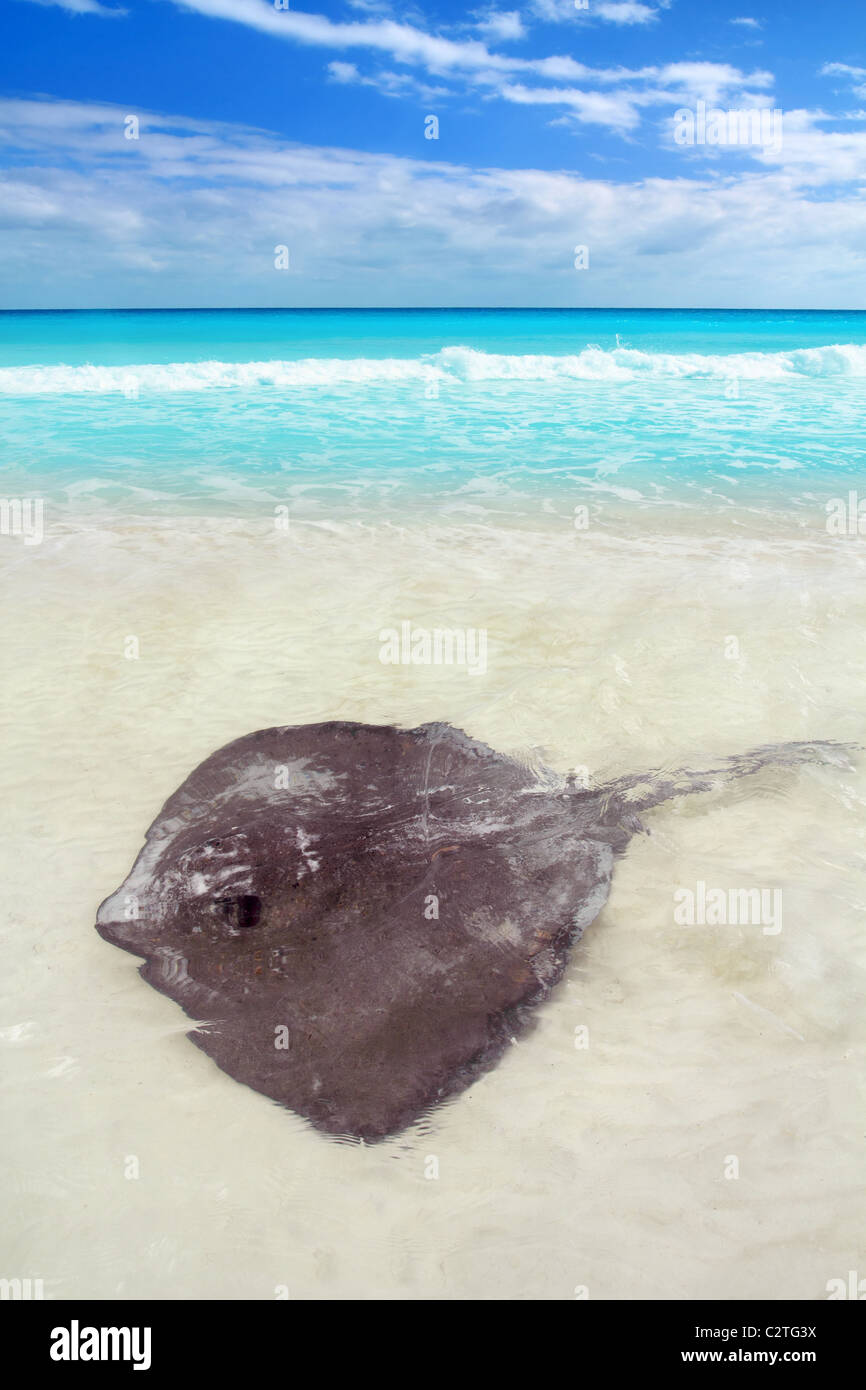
[242,912]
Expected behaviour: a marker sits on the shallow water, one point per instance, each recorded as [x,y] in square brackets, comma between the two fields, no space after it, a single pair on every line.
[701,606]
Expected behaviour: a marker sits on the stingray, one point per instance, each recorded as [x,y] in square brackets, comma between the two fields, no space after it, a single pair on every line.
[363,919]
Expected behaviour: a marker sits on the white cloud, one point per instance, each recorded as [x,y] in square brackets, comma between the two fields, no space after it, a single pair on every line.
[610,11]
[620,110]
[192,211]
[501,24]
[343,72]
[843,68]
[408,44]
[847,71]
[713,82]
[625,12]
[404,42]
[471,63]
[556,11]
[615,111]
[746,23]
[83,7]
[390,84]
[814,157]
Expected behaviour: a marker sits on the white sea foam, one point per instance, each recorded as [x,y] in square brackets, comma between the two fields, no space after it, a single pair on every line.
[450,365]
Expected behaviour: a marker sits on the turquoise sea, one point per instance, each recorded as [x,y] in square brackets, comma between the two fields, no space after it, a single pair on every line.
[373,412]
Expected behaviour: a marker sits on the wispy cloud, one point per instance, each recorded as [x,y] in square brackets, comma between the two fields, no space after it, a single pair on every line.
[607,11]
[84,7]
[813,156]
[614,111]
[626,12]
[465,63]
[404,42]
[392,84]
[192,211]
[853,76]
[504,25]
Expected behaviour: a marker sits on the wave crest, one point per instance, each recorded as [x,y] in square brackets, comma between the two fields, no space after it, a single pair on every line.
[450,365]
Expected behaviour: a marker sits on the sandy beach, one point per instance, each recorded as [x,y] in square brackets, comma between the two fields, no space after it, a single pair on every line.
[571,1170]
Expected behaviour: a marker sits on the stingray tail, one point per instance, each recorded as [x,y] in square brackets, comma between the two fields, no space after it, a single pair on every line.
[633,794]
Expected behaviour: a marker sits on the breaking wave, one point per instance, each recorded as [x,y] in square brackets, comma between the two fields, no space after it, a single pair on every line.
[452,365]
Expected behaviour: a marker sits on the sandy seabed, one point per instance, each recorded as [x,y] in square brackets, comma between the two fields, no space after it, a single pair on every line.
[566,1169]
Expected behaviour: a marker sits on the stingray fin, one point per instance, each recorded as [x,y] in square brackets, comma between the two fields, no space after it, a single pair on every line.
[632,794]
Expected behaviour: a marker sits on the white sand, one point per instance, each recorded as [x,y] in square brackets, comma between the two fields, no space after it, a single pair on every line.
[602,1167]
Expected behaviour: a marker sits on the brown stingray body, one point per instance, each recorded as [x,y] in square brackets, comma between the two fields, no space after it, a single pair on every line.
[363,918]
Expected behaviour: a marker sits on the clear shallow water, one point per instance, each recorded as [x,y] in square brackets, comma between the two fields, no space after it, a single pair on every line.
[443,490]
[373,413]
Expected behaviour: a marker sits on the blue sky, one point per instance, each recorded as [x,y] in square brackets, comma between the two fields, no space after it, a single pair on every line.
[260,127]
